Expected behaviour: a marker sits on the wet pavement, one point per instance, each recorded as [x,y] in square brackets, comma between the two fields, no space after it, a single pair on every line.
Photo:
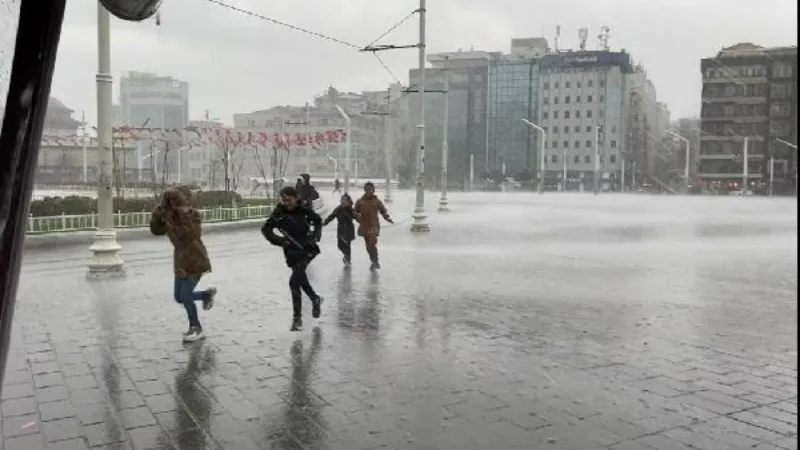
[520,322]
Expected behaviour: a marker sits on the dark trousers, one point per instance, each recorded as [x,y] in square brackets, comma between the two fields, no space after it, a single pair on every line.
[298,283]
[186,295]
[371,241]
[344,247]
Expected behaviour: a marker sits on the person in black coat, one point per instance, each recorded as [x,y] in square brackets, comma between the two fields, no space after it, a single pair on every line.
[345,230]
[307,192]
[300,229]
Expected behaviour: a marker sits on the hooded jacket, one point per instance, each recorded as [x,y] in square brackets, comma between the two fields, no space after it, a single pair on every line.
[300,228]
[183,226]
[367,209]
[344,216]
[308,193]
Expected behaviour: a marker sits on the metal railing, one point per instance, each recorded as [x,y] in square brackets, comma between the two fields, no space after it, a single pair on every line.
[88,222]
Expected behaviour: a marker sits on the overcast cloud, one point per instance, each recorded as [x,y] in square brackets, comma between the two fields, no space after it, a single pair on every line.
[235,63]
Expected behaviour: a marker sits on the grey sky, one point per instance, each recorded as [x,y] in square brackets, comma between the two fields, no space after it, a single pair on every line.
[235,63]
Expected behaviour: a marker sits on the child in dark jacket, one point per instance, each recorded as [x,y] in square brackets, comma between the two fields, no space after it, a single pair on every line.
[345,230]
[301,229]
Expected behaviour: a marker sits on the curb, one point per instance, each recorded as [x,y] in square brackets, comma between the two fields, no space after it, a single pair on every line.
[84,238]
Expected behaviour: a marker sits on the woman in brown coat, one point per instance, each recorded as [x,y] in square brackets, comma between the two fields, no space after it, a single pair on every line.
[181,223]
[367,209]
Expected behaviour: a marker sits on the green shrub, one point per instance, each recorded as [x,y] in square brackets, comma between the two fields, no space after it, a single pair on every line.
[78,205]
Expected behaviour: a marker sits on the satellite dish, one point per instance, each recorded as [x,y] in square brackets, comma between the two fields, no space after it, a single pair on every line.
[132,10]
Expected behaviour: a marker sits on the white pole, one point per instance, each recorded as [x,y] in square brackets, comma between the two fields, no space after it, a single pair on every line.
[105,259]
[633,174]
[85,167]
[445,125]
[564,170]
[771,173]
[471,171]
[596,159]
[794,146]
[543,138]
[387,149]
[418,223]
[622,176]
[347,162]
[745,166]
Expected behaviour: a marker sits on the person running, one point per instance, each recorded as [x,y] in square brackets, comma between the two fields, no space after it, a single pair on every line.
[367,209]
[345,231]
[181,223]
[337,186]
[301,229]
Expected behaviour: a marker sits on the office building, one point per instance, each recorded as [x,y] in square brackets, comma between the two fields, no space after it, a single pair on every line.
[749,92]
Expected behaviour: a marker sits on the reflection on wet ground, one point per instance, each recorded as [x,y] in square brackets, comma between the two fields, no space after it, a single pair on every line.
[519,322]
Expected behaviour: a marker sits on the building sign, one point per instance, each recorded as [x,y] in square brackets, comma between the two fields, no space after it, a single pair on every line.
[584,59]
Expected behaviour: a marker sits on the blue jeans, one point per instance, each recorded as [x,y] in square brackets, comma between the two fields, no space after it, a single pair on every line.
[186,295]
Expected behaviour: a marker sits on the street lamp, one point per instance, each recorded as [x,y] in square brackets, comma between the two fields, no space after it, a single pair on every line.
[347,148]
[445,125]
[105,259]
[794,146]
[541,152]
[418,223]
[596,179]
[688,154]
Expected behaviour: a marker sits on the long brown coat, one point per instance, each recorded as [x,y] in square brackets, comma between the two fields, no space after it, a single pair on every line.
[367,209]
[184,229]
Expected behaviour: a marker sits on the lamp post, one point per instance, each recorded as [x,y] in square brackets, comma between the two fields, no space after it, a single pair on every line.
[445,125]
[418,223]
[387,149]
[347,148]
[541,152]
[596,160]
[687,157]
[793,146]
[105,259]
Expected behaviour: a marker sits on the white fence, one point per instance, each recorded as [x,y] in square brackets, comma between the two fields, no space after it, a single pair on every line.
[88,222]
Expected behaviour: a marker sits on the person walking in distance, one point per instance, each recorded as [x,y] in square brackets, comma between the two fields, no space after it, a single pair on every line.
[345,231]
[367,209]
[301,229]
[181,223]
[337,186]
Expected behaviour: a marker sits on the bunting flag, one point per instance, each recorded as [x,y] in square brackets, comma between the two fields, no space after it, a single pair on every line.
[201,136]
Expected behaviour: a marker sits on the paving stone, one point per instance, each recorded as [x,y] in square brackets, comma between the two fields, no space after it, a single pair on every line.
[452,345]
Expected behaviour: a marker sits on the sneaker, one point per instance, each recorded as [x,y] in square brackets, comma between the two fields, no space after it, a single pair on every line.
[375,265]
[316,311]
[194,334]
[346,261]
[297,324]
[208,298]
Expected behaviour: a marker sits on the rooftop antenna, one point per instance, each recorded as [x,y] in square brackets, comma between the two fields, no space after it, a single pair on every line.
[583,33]
[602,38]
[558,35]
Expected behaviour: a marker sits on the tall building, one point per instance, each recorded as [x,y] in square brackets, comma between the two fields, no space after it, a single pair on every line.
[156,102]
[749,92]
[584,99]
[468,122]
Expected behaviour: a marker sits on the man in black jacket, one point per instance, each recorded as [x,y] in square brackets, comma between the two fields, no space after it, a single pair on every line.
[307,192]
[301,229]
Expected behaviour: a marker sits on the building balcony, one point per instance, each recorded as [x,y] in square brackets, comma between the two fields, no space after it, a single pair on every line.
[755,100]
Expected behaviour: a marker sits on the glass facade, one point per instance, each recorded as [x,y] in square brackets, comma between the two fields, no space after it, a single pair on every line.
[467,121]
[513,96]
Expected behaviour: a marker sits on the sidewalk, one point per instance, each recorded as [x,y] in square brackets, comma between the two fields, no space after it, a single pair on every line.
[511,329]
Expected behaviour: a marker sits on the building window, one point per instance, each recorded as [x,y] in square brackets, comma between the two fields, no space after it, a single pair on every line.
[566,144]
[566,128]
[546,101]
[589,83]
[555,85]
[587,159]
[555,144]
[578,114]
[602,83]
[555,100]
[566,99]
[589,98]
[602,98]
[613,159]
[576,159]
[577,99]
[613,144]
[566,85]
[566,114]
[589,114]
[546,85]
[555,114]
[577,144]
[781,70]
[588,144]
[544,115]
[578,83]
[555,130]
[577,129]
[588,128]
[553,159]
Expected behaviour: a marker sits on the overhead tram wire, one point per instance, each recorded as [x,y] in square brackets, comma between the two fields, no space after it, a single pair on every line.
[284,24]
